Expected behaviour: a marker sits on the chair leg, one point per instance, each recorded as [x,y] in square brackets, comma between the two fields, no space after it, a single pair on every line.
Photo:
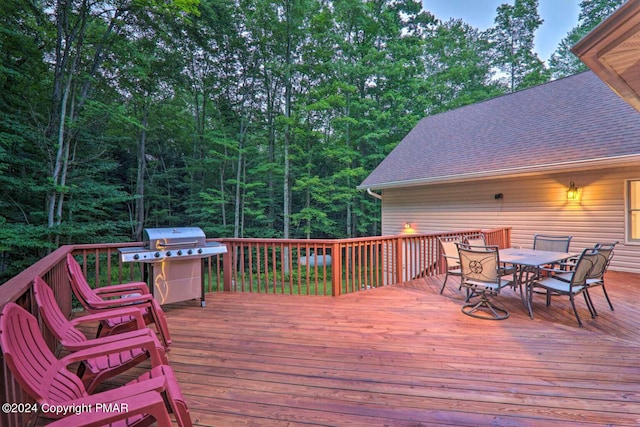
[491,312]
[607,297]
[548,298]
[590,306]
[444,283]
[575,311]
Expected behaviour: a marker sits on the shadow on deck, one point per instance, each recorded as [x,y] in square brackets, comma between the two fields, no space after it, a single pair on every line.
[404,355]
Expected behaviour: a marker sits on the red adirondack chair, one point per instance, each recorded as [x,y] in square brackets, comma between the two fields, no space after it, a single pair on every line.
[141,410]
[47,379]
[95,370]
[135,294]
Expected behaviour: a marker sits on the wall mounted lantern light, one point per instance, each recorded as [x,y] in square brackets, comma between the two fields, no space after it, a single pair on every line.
[573,193]
[408,228]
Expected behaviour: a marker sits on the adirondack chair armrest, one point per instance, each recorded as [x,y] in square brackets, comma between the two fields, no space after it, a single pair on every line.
[149,402]
[141,301]
[116,312]
[117,338]
[147,343]
[123,289]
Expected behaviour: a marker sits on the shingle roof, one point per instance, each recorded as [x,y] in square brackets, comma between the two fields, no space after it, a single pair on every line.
[562,124]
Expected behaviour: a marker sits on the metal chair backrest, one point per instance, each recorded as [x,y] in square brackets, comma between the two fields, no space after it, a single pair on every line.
[479,263]
[449,248]
[475,240]
[588,260]
[605,251]
[551,243]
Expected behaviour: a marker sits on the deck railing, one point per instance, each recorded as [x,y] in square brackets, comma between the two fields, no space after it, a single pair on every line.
[335,267]
[296,266]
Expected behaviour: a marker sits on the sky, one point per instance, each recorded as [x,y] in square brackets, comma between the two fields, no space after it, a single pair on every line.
[559,17]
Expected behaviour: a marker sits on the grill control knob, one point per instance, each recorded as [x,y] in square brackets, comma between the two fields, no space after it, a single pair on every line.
[157,255]
[200,250]
[179,252]
[168,253]
[136,256]
[190,251]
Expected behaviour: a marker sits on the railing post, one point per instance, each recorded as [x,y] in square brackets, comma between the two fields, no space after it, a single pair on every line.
[227,266]
[399,256]
[336,269]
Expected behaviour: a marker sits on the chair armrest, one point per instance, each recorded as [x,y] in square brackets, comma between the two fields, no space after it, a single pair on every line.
[127,288]
[118,338]
[147,402]
[452,258]
[147,343]
[109,314]
[141,301]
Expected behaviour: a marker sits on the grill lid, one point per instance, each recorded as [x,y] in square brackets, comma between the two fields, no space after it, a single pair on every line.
[179,237]
[162,244]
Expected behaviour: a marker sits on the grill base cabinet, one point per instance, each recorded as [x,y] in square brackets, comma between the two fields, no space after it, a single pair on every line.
[173,261]
[177,280]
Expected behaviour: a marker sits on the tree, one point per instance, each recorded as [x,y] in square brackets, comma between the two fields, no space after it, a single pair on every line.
[563,62]
[512,37]
[458,66]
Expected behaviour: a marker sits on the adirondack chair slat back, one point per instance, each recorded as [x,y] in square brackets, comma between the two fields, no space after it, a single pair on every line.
[50,312]
[31,361]
[81,288]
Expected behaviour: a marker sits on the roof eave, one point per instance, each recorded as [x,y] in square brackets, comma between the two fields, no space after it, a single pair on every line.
[603,163]
[602,50]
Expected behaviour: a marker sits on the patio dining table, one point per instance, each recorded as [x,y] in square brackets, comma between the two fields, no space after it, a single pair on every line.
[528,263]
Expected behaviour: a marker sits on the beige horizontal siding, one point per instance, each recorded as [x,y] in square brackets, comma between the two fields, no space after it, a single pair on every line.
[534,204]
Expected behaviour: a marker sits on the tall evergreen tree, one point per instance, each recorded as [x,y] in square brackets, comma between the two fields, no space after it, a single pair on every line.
[563,62]
[513,37]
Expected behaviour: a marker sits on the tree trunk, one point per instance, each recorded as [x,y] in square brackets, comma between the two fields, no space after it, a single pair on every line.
[142,170]
[60,163]
[236,215]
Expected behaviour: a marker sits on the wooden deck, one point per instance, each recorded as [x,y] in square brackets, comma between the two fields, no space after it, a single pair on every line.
[406,356]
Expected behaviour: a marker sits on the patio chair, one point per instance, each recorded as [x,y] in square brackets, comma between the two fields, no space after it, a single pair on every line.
[596,276]
[94,370]
[449,252]
[481,276]
[134,294]
[543,242]
[49,382]
[475,240]
[577,283]
[479,240]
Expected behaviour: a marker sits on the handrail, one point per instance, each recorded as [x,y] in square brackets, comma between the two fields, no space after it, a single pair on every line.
[338,266]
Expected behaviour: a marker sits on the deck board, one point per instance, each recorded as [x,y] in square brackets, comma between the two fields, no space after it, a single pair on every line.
[404,355]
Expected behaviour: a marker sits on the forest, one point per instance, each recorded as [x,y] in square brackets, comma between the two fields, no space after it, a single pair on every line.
[247,118]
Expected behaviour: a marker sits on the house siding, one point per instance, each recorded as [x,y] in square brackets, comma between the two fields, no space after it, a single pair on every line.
[530,205]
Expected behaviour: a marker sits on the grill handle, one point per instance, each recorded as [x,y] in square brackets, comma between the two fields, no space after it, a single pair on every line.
[165,245]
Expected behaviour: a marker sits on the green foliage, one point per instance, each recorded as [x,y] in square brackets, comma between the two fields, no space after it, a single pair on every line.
[214,113]
[513,37]
[563,62]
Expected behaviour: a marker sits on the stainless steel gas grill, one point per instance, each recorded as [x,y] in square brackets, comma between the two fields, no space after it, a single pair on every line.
[174,259]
